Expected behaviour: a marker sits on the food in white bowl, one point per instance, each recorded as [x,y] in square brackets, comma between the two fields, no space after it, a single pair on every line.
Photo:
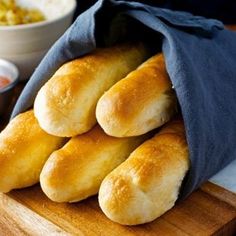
[26,44]
[13,14]
[8,80]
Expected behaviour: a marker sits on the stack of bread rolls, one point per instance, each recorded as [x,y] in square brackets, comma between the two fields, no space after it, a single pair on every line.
[94,128]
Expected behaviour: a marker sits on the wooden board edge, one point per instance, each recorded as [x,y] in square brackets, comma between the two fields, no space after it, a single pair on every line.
[220,193]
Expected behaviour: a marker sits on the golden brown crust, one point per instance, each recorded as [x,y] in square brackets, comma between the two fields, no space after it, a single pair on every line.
[76,171]
[65,105]
[142,101]
[146,185]
[24,148]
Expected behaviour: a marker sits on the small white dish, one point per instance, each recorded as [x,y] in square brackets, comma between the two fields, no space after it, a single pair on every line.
[11,72]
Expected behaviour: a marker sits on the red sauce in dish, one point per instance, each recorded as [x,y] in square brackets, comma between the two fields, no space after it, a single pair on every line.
[4,81]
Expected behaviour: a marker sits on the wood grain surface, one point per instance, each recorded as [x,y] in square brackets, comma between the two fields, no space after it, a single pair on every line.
[211,210]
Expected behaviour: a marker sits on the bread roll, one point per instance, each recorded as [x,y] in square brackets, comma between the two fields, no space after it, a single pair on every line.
[65,105]
[142,101]
[76,171]
[147,184]
[24,148]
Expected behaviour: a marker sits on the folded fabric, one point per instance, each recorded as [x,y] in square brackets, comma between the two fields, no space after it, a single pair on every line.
[200,57]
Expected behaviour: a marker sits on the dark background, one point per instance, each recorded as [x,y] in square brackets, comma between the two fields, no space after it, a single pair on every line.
[224,10]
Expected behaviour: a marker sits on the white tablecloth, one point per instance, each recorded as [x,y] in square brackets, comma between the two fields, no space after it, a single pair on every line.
[226,177]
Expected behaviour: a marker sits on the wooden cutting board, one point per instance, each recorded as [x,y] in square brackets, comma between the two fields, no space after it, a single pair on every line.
[211,210]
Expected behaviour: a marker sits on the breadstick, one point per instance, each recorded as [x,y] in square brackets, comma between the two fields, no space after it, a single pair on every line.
[142,101]
[147,184]
[24,148]
[76,171]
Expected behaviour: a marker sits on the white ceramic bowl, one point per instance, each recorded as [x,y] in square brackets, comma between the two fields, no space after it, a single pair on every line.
[25,45]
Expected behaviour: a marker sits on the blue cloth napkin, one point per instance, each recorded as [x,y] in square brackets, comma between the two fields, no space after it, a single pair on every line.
[201,60]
